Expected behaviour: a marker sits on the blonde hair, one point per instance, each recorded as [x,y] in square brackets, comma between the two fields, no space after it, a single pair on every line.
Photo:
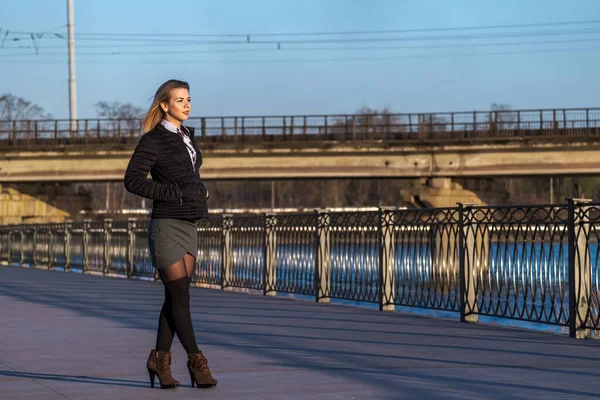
[163,94]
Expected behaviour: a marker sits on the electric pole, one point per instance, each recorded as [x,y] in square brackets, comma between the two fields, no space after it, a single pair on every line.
[72,85]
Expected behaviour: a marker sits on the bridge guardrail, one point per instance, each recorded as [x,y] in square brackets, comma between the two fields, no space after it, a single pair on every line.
[454,126]
[535,263]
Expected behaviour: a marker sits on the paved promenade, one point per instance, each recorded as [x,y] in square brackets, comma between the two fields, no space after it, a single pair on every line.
[68,336]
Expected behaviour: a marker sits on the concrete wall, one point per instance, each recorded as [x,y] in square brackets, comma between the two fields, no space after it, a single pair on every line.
[40,203]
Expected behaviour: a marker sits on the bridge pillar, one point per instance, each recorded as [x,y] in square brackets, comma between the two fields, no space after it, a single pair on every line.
[40,203]
[447,192]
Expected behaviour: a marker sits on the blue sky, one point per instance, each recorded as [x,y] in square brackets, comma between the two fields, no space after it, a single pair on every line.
[326,81]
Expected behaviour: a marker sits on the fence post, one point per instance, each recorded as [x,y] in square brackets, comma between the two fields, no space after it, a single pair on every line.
[68,224]
[22,251]
[235,129]
[86,238]
[467,271]
[107,246]
[270,255]
[227,257]
[571,266]
[14,132]
[587,120]
[461,262]
[387,294]
[541,132]
[34,249]
[580,290]
[131,225]
[51,234]
[323,269]
[304,133]
[283,127]
[9,235]
[9,246]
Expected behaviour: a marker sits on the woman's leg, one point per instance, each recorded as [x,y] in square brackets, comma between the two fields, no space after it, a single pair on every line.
[177,287]
[166,325]
[190,265]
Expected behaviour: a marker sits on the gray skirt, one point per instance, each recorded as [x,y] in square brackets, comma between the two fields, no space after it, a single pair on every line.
[171,239]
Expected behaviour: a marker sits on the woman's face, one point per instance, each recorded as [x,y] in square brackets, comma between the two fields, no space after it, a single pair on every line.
[179,105]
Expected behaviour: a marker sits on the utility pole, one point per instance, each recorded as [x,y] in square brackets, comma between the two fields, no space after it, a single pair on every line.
[72,85]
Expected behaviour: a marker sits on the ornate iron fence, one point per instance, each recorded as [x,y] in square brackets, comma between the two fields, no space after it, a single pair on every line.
[531,263]
[516,260]
[424,260]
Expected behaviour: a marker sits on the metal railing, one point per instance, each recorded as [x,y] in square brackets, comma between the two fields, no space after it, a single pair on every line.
[418,128]
[536,263]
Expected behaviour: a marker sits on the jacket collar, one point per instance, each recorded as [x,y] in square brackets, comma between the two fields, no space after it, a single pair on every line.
[176,140]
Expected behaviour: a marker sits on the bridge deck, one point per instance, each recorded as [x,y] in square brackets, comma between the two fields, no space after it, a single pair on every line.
[67,336]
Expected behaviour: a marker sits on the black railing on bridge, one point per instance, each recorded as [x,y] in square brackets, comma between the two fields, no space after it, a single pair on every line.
[418,128]
[537,263]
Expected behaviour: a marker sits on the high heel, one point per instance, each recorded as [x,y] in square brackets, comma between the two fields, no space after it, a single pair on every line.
[152,375]
[199,372]
[191,377]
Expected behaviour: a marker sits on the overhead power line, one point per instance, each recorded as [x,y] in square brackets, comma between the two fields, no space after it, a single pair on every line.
[297,49]
[249,40]
[341,33]
[300,60]
[244,36]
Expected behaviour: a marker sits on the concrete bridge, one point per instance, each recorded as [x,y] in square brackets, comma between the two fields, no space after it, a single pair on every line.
[437,148]
[67,335]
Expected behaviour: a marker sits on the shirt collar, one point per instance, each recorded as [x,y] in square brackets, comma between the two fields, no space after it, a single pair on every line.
[170,127]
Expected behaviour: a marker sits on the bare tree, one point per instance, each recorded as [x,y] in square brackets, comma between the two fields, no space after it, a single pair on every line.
[117,110]
[17,108]
[368,123]
[502,118]
[124,117]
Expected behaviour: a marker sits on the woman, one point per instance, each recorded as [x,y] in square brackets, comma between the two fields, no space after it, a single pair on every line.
[168,151]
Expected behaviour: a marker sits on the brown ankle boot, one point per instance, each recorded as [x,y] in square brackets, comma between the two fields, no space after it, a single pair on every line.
[199,371]
[151,363]
[159,363]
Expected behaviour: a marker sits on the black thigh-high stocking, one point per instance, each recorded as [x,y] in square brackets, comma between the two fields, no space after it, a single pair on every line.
[176,309]
[166,325]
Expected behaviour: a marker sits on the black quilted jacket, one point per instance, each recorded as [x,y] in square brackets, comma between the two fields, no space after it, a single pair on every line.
[175,186]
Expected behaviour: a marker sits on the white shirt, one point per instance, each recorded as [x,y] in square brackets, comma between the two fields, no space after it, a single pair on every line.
[185,135]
